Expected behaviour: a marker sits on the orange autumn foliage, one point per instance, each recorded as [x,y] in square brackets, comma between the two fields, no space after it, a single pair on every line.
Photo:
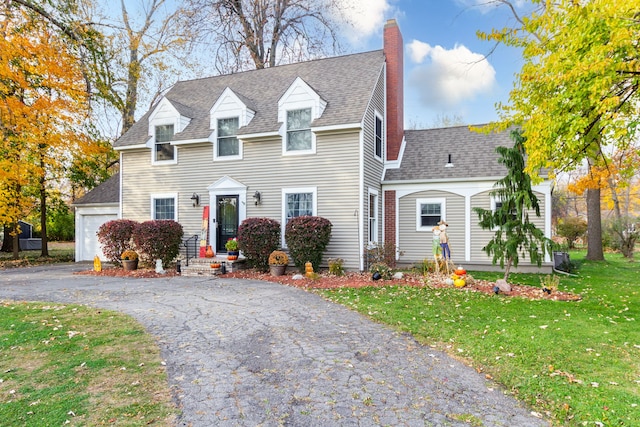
[43,103]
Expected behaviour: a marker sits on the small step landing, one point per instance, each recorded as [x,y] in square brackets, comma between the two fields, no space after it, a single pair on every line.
[199,267]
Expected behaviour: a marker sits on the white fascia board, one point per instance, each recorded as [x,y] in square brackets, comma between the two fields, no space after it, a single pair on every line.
[492,179]
[395,164]
[333,128]
[131,147]
[261,135]
[194,141]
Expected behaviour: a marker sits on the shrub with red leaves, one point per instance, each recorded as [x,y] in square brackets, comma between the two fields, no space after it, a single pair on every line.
[158,239]
[257,238]
[307,238]
[116,237]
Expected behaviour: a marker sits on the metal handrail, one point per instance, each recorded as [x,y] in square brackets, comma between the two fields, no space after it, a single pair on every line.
[190,242]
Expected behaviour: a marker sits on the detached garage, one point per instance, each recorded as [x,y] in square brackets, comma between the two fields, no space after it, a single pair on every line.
[98,206]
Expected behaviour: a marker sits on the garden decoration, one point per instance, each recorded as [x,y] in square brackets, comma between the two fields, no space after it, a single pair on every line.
[444,240]
[129,260]
[209,252]
[97,264]
[232,249]
[278,261]
[308,269]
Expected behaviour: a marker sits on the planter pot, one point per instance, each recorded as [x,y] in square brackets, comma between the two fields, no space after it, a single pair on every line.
[233,255]
[277,270]
[130,264]
[209,252]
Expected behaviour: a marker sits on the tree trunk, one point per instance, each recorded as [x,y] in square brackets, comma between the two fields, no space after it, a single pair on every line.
[7,242]
[594,226]
[16,242]
[44,251]
[508,269]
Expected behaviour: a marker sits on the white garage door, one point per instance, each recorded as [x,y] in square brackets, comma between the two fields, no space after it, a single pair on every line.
[90,244]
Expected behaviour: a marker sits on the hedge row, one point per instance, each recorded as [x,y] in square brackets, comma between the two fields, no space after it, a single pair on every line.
[157,239]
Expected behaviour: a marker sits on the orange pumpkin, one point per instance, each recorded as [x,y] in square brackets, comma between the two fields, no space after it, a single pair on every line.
[215,265]
[460,271]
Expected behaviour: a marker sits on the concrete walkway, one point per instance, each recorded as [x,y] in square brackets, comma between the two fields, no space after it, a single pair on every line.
[248,353]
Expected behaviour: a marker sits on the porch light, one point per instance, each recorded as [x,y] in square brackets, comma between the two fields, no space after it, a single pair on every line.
[257,198]
[196,200]
[449,162]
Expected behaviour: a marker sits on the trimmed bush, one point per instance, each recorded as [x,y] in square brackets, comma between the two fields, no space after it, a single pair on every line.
[158,239]
[381,252]
[307,238]
[257,238]
[116,237]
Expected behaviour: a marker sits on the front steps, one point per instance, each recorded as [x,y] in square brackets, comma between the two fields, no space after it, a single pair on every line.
[199,267]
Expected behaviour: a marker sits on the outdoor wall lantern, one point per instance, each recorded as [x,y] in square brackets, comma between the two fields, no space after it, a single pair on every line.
[196,200]
[257,198]
[449,162]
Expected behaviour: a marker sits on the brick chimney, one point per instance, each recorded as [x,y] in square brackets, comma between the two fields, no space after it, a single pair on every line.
[393,52]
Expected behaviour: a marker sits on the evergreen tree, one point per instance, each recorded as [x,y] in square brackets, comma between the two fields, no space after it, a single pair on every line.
[515,234]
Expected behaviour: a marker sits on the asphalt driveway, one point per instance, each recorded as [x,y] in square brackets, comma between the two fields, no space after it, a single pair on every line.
[248,353]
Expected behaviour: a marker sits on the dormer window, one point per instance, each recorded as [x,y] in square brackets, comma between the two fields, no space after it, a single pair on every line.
[228,144]
[299,136]
[163,150]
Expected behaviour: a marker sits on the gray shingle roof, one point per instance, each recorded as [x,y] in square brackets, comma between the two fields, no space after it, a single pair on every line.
[473,155]
[345,82]
[106,193]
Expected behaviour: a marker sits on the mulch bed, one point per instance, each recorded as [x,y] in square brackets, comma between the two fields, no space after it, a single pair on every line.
[355,280]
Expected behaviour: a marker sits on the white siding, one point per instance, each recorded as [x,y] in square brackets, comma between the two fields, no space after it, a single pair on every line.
[333,170]
[416,245]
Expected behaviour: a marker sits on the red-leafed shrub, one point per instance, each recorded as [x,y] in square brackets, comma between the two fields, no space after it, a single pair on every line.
[307,238]
[116,237]
[158,239]
[257,238]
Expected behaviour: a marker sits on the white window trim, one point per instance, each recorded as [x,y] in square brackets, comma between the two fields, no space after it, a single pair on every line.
[152,205]
[216,157]
[152,140]
[296,190]
[299,96]
[443,211]
[373,192]
[284,131]
[382,139]
[228,105]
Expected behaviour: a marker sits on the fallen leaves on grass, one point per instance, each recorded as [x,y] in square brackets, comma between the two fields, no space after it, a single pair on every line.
[354,280]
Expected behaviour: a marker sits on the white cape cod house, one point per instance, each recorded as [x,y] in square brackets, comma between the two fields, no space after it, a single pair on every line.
[323,137]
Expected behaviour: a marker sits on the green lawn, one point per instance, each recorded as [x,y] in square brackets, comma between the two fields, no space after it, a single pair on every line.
[74,365]
[58,252]
[578,363]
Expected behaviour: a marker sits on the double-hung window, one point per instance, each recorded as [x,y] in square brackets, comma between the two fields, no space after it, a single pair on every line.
[299,136]
[164,151]
[228,144]
[373,217]
[299,204]
[429,212]
[378,137]
[163,206]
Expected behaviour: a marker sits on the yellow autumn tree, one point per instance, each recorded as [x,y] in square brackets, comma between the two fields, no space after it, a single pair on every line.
[43,104]
[577,95]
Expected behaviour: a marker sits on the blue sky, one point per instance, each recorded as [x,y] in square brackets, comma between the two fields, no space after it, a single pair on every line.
[447,70]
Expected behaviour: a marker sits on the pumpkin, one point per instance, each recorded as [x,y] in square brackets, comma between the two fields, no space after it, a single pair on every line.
[455,276]
[459,283]
[448,281]
[215,265]
[460,271]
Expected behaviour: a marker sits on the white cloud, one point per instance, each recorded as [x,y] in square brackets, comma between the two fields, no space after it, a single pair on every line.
[418,50]
[446,78]
[365,18]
